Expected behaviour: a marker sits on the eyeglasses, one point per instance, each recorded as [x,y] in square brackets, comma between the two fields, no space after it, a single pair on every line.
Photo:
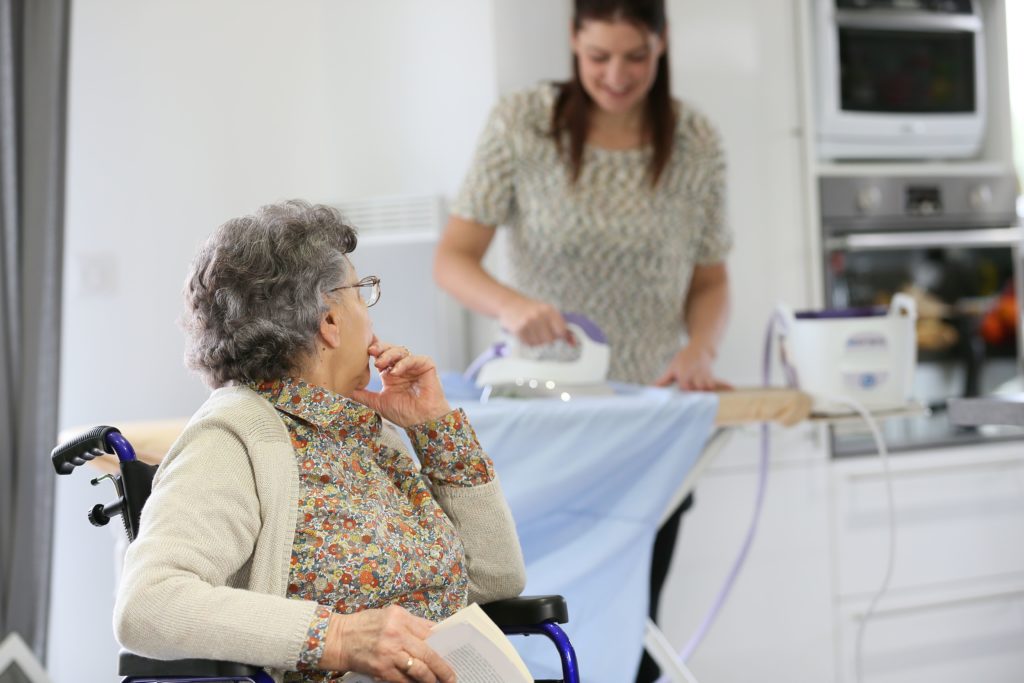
[369,289]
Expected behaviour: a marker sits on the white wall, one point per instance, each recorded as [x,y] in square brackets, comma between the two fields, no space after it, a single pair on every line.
[184,113]
[531,42]
[531,45]
[736,61]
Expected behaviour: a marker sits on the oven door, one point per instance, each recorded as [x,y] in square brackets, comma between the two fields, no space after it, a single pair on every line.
[917,63]
[899,83]
[966,284]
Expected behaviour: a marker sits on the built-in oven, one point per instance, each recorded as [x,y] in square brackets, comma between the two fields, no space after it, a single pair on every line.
[954,244]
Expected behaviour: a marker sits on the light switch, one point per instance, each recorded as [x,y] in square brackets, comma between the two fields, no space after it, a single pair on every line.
[97,273]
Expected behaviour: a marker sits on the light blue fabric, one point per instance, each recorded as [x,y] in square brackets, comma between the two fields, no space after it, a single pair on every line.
[587,482]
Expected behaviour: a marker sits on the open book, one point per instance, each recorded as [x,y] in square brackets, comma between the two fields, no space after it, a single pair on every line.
[475,647]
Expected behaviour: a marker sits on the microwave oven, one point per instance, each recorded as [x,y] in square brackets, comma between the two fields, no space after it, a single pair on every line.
[899,79]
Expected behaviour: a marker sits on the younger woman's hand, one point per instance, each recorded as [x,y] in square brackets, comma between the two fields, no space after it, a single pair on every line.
[533,322]
[388,644]
[690,370]
[411,392]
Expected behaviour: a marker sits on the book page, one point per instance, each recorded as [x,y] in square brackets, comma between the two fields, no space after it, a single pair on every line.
[473,614]
[476,658]
[474,647]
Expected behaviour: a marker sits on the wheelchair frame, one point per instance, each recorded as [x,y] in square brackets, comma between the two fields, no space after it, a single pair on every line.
[515,616]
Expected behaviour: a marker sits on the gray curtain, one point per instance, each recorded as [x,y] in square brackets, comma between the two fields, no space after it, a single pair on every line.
[33,86]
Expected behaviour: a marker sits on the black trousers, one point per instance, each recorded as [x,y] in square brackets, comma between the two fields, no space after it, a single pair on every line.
[661,560]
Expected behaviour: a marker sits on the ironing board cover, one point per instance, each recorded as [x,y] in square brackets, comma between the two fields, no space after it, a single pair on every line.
[587,482]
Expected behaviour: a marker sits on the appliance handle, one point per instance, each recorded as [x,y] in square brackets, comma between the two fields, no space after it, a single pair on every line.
[956,468]
[919,607]
[890,20]
[873,241]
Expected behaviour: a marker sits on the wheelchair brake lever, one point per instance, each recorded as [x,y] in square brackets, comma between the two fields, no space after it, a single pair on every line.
[100,514]
[115,479]
[97,480]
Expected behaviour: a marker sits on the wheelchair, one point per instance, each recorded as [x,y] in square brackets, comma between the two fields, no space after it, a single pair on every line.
[540,615]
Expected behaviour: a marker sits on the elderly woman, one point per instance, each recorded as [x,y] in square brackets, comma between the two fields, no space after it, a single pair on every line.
[288,526]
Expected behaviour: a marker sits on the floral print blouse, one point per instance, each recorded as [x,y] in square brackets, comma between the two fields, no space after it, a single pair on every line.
[369,534]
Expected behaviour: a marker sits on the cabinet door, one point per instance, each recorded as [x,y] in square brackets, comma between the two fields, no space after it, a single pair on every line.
[951,636]
[959,516]
[777,624]
[803,444]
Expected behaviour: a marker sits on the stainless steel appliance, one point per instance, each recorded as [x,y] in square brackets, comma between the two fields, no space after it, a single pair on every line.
[954,244]
[900,78]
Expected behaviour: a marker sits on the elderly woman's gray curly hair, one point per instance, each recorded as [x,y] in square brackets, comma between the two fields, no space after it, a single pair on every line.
[254,295]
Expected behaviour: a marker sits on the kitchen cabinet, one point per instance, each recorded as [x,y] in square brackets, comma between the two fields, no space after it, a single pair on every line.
[957,511]
[955,607]
[964,632]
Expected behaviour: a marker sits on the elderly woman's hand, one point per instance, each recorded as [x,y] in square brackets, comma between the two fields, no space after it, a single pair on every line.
[388,644]
[411,392]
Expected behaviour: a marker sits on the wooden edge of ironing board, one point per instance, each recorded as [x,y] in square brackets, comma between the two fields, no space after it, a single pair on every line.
[152,439]
[748,406]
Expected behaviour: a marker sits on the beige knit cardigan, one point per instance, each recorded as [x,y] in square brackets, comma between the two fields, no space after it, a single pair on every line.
[207,576]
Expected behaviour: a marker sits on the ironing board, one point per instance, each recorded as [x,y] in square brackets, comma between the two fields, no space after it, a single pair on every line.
[588,482]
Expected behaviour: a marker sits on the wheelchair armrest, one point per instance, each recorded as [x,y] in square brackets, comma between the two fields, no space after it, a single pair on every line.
[528,610]
[131,664]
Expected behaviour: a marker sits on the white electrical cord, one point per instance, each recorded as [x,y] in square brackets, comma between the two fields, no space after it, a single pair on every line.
[883,454]
[684,655]
[778,320]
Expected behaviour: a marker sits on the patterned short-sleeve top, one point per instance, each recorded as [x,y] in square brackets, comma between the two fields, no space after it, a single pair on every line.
[369,533]
[610,247]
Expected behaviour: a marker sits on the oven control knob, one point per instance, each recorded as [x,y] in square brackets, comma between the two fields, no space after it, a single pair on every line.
[980,197]
[869,198]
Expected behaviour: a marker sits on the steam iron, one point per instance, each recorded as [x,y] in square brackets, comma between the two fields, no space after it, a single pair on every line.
[557,370]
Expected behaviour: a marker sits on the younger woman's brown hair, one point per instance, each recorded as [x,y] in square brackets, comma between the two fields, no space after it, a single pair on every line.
[571,114]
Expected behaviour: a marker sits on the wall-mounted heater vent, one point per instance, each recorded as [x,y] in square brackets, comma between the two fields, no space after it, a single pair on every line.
[396,216]
[397,240]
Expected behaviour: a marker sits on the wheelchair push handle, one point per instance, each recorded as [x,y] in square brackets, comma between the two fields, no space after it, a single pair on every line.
[84,447]
[132,484]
